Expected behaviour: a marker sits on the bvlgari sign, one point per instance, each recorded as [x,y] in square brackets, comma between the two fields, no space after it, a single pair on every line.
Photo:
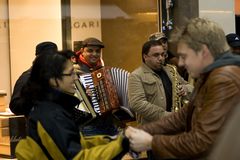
[87,24]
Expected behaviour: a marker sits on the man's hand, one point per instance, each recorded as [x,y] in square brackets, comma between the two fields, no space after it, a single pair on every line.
[182,90]
[139,139]
[89,91]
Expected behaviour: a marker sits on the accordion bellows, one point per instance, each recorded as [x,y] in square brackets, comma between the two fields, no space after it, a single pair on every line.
[108,86]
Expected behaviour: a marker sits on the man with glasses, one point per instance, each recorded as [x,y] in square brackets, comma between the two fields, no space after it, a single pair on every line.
[161,37]
[150,85]
[171,58]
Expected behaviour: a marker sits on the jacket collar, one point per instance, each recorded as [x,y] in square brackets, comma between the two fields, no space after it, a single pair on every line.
[147,69]
[226,58]
[64,99]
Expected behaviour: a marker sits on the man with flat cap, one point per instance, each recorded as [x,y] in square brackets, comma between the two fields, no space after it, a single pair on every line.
[90,60]
[17,105]
[90,55]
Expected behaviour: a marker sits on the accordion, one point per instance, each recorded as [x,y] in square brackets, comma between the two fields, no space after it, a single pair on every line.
[108,86]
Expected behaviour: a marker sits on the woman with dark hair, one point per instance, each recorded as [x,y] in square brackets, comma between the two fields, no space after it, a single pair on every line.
[51,126]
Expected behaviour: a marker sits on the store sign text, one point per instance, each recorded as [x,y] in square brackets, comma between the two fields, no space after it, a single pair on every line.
[85,24]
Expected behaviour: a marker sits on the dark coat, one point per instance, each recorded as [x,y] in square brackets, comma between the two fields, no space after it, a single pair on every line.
[55,113]
[18,105]
[59,132]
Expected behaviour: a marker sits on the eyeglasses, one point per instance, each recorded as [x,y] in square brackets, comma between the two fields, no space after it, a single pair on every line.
[156,55]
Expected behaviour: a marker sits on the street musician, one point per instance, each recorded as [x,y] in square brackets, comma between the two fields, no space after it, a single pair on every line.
[89,60]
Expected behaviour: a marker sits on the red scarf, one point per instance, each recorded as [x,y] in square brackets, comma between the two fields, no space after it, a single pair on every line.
[83,60]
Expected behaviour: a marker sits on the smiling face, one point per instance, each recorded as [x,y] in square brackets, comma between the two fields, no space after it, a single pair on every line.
[66,83]
[92,54]
[155,57]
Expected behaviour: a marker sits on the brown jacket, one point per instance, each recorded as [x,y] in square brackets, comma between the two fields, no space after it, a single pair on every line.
[191,132]
[146,93]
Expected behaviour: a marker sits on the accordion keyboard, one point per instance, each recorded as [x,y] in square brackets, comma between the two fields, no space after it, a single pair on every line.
[87,81]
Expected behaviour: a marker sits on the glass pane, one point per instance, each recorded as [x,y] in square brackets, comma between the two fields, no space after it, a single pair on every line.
[4,47]
[123,26]
[126,25]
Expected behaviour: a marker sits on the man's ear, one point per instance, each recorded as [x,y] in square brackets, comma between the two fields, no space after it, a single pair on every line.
[81,50]
[53,82]
[207,55]
[144,57]
[205,51]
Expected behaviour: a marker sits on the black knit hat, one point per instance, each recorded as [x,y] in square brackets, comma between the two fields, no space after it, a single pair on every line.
[233,40]
[45,47]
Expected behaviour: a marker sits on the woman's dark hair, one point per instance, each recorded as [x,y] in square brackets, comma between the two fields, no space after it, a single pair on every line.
[44,68]
[68,54]
[147,45]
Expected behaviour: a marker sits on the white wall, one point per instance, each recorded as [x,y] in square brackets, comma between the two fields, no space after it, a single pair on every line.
[31,22]
[220,11]
[4,49]
[86,19]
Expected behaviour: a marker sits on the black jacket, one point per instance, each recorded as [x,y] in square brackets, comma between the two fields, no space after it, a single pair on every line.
[55,114]
[18,105]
